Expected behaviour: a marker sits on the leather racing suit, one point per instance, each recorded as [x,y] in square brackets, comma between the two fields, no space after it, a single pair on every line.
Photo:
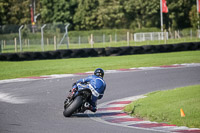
[97,86]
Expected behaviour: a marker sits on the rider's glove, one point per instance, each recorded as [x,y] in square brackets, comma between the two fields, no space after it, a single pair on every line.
[73,84]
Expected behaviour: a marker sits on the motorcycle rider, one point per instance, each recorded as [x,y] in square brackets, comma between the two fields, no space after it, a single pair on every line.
[97,86]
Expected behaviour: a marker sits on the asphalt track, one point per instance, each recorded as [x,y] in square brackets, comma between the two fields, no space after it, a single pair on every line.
[36,106]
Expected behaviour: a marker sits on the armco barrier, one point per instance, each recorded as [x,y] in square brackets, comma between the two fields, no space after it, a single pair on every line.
[94,52]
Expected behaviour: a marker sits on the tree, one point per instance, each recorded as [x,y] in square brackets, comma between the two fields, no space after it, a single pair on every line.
[85,15]
[179,13]
[142,13]
[194,17]
[96,14]
[12,13]
[57,11]
[3,12]
[110,14]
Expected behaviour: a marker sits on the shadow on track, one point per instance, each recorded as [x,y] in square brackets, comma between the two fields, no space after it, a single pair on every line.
[98,114]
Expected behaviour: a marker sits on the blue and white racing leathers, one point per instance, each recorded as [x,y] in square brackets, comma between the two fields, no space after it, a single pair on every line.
[97,85]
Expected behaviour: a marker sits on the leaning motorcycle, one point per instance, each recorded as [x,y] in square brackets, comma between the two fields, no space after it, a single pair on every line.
[78,102]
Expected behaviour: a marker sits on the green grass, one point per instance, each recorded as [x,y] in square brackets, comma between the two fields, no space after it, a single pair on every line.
[13,69]
[164,106]
[37,47]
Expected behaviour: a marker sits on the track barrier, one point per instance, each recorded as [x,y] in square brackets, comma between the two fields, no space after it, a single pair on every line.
[96,52]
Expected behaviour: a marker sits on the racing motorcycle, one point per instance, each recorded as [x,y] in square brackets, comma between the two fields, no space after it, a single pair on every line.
[78,101]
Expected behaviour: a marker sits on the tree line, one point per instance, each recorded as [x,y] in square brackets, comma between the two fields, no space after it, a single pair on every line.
[101,14]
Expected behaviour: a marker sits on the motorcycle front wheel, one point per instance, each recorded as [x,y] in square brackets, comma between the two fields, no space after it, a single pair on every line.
[73,107]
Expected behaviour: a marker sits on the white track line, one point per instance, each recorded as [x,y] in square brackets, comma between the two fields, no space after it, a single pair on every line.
[8,98]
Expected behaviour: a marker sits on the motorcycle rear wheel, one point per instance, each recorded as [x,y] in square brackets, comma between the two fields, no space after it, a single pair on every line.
[73,107]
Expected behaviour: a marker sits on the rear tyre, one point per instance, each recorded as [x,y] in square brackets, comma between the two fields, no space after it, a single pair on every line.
[73,107]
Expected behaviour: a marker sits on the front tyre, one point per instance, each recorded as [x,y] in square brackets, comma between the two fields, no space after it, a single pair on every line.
[73,107]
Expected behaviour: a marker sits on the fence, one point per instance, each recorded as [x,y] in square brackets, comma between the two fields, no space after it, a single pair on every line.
[151,36]
[55,36]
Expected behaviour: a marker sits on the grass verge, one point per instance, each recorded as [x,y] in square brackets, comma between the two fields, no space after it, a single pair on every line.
[164,106]
[48,47]
[13,69]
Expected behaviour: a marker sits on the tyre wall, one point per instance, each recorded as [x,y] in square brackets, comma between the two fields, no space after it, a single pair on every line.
[95,52]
